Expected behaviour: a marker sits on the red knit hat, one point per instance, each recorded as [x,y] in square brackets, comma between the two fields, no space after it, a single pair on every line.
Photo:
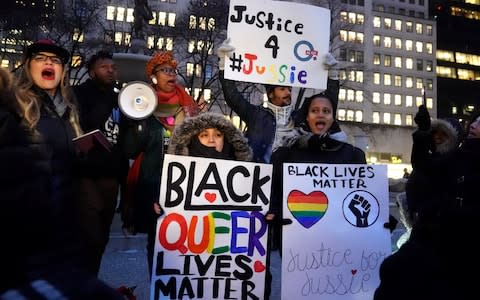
[160,58]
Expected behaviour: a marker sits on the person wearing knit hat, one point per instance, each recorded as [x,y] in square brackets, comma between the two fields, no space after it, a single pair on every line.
[173,102]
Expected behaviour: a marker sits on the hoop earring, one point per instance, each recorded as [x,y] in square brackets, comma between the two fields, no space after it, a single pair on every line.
[154,80]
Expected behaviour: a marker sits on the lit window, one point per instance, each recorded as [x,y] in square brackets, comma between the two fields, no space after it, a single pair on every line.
[409,45]
[398,43]
[350,95]
[376,78]
[342,94]
[409,26]
[5,63]
[419,28]
[409,63]
[418,101]
[387,42]
[454,110]
[408,120]
[76,61]
[341,114]
[171,19]
[386,118]
[192,22]
[130,17]
[376,97]
[409,82]
[408,101]
[429,48]
[387,61]
[153,21]
[359,38]
[191,46]
[207,94]
[359,96]
[429,103]
[118,38]
[343,35]
[343,16]
[359,76]
[352,17]
[211,24]
[376,59]
[78,35]
[376,117]
[397,119]
[162,18]
[120,13]
[387,99]
[376,39]
[387,23]
[398,25]
[360,19]
[127,38]
[169,44]
[398,62]
[190,69]
[387,79]
[350,115]
[429,30]
[429,66]
[429,84]
[419,47]
[358,116]
[110,13]
[466,74]
[398,80]
[419,83]
[398,99]
[446,55]
[446,72]
[377,22]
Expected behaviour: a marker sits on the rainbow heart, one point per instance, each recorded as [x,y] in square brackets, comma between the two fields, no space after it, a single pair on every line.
[307,209]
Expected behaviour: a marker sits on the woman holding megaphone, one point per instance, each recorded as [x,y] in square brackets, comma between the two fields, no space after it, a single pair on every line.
[145,141]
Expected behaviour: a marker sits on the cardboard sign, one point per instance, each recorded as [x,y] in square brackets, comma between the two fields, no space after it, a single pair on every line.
[337,241]
[279,43]
[212,239]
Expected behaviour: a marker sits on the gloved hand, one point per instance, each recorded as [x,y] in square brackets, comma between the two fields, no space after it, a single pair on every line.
[422,118]
[224,50]
[328,62]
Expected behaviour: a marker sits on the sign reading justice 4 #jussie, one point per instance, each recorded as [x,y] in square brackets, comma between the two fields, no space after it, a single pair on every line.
[211,240]
[276,42]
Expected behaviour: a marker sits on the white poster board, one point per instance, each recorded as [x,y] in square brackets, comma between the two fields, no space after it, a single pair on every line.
[279,43]
[337,241]
[211,241]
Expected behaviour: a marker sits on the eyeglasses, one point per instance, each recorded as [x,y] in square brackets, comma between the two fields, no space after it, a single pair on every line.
[53,58]
[167,71]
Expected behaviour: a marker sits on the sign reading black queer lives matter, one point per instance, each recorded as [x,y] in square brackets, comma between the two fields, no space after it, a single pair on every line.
[336,243]
[277,42]
[211,241]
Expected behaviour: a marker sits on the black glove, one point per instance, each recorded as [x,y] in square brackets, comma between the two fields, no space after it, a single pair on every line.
[422,118]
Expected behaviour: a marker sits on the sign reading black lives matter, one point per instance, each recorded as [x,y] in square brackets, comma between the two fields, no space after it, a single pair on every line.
[337,241]
[278,42]
[211,242]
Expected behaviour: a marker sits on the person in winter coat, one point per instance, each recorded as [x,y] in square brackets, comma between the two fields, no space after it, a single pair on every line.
[144,141]
[209,135]
[104,170]
[431,263]
[38,256]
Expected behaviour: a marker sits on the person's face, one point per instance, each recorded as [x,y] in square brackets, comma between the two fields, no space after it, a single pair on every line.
[212,137]
[46,70]
[320,115]
[281,96]
[439,137]
[474,129]
[166,77]
[104,71]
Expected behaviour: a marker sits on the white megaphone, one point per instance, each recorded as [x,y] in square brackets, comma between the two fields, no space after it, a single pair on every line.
[137,100]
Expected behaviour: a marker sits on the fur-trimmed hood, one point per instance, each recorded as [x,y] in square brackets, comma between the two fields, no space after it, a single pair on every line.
[190,127]
[453,135]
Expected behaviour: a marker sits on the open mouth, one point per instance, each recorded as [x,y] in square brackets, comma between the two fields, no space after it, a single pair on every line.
[48,74]
[320,125]
[171,81]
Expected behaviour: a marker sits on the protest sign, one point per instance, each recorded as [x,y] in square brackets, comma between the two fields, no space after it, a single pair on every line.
[275,46]
[337,241]
[211,242]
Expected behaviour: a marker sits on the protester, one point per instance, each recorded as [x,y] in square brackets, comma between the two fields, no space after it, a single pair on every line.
[267,127]
[432,262]
[144,142]
[209,135]
[434,142]
[37,256]
[104,170]
[406,174]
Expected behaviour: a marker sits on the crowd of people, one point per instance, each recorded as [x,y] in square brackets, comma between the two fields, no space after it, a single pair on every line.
[62,193]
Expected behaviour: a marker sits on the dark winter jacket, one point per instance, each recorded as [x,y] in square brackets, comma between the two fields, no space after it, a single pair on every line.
[191,127]
[146,137]
[98,109]
[309,148]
